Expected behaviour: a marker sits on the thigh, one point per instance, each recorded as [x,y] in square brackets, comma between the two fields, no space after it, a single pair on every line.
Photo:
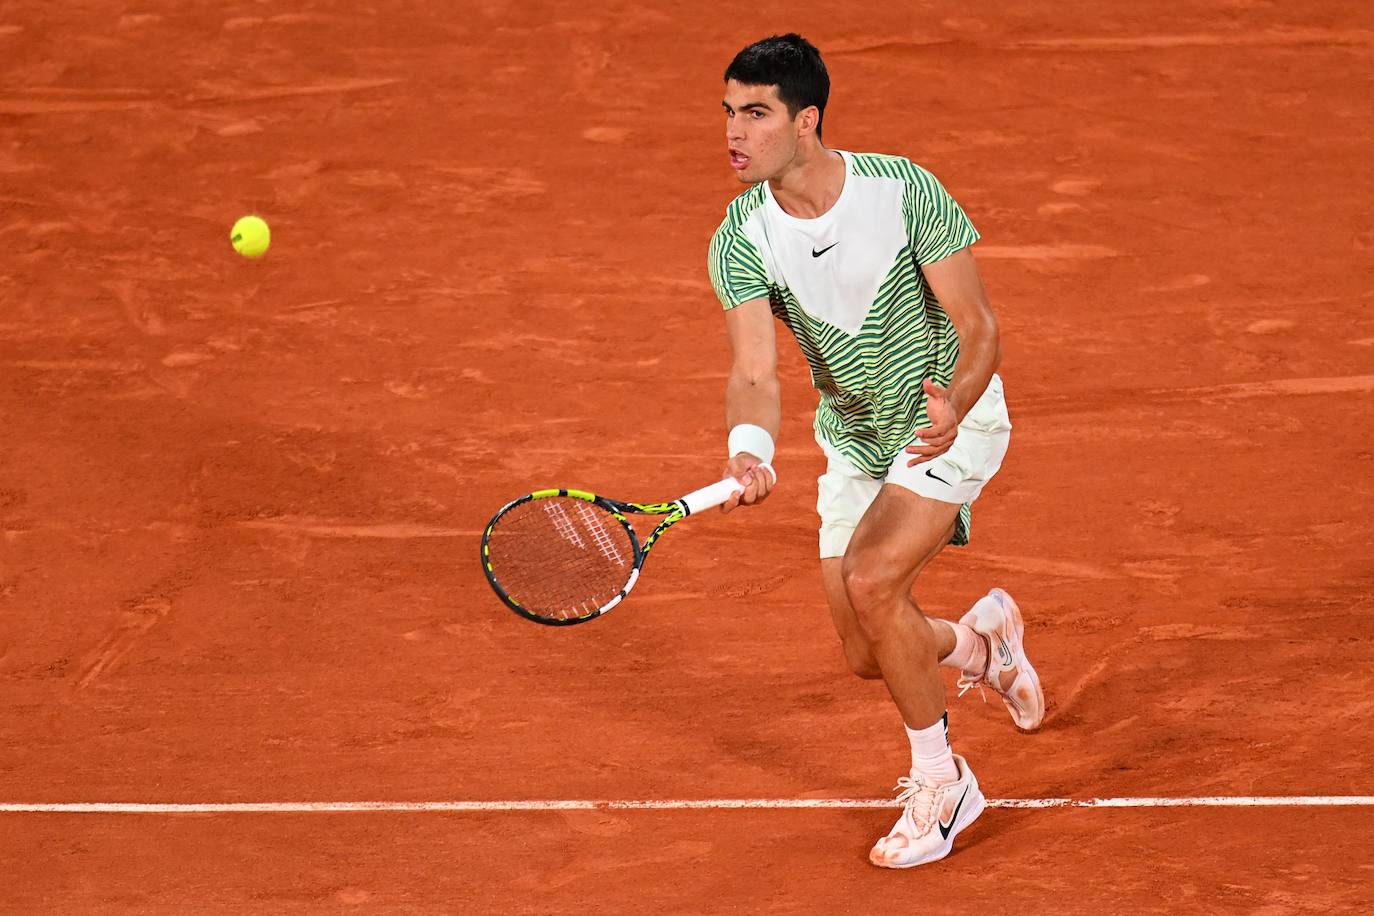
[901,532]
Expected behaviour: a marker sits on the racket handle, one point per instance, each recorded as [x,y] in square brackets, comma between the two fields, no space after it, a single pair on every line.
[718,493]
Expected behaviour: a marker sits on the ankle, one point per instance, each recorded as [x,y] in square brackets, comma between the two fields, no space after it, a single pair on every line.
[932,759]
[970,653]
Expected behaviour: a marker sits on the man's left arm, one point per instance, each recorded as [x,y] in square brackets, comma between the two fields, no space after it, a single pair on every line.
[959,287]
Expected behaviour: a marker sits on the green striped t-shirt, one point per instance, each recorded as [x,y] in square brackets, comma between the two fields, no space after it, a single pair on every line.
[849,286]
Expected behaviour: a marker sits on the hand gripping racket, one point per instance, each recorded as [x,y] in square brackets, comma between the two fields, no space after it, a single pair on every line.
[561,557]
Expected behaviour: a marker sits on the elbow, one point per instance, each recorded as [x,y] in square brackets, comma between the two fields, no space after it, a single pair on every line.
[754,377]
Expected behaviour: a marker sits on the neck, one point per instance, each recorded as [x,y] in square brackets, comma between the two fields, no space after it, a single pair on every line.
[811,184]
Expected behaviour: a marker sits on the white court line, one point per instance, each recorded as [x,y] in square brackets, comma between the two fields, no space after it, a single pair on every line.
[1206,801]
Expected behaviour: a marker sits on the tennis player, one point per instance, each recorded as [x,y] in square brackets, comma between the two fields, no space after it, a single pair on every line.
[865,258]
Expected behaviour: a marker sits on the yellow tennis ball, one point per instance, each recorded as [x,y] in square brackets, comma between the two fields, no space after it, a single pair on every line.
[250,236]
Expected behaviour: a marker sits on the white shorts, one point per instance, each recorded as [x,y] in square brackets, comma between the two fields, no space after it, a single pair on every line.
[844,492]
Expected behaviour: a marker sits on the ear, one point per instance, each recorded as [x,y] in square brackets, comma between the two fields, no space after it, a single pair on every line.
[807,119]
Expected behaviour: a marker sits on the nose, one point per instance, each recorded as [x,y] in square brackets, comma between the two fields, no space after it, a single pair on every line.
[733,130]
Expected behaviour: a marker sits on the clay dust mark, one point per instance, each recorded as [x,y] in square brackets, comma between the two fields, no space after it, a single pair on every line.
[1273,39]
[1064,702]
[863,45]
[327,529]
[333,87]
[134,624]
[138,313]
[1337,385]
[1046,252]
[80,365]
[14,106]
[1276,38]
[31,106]
[1064,569]
[1113,400]
[106,93]
[311,306]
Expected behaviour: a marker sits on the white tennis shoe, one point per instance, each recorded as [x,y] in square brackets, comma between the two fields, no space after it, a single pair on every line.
[932,817]
[997,618]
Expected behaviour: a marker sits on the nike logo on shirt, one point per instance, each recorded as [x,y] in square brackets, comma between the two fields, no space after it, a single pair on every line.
[817,254]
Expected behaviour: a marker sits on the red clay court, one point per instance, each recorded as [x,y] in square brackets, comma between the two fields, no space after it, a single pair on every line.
[240,501]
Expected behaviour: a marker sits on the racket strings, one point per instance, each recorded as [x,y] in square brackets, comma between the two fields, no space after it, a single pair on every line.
[559,557]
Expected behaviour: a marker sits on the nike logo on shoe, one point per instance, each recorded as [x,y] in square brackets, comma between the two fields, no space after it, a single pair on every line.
[933,477]
[817,254]
[945,828]
[1004,653]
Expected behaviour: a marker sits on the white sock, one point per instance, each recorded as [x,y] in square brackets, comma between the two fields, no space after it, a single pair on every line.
[970,652]
[931,757]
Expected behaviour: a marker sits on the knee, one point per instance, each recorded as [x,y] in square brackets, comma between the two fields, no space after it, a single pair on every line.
[872,591]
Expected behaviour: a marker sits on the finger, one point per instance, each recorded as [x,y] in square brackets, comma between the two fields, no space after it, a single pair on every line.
[934,390]
[732,502]
[924,458]
[924,445]
[941,438]
[922,435]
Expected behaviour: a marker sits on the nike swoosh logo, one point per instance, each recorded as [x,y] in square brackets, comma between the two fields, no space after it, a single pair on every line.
[946,828]
[1004,651]
[817,254]
[933,477]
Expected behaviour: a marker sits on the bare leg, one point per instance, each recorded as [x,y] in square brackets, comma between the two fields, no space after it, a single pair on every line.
[857,651]
[899,534]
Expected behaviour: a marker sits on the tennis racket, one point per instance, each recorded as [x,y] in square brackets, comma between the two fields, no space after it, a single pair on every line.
[561,557]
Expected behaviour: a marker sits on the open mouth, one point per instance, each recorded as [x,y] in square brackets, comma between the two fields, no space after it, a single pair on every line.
[738,160]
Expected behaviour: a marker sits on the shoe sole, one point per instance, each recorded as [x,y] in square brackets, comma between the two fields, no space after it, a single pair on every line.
[967,816]
[1037,711]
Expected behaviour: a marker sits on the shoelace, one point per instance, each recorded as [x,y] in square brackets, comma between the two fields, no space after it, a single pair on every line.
[918,798]
[966,683]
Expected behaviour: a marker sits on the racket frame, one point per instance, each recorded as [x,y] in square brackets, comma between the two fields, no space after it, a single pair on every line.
[674,512]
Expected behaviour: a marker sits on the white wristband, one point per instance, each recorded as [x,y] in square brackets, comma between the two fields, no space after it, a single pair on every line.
[752,439]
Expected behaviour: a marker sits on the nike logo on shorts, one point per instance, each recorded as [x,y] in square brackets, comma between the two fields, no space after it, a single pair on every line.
[941,479]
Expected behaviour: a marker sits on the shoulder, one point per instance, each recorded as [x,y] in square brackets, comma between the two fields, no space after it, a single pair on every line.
[881,165]
[919,186]
[739,211]
[878,165]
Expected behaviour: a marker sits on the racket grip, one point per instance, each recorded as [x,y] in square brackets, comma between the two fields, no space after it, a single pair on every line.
[718,493]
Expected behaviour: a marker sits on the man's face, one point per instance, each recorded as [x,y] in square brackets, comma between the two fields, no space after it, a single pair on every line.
[761,136]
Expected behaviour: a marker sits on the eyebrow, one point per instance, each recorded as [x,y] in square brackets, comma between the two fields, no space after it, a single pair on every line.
[749,106]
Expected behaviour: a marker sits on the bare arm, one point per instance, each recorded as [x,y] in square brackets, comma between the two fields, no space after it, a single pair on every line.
[959,287]
[752,394]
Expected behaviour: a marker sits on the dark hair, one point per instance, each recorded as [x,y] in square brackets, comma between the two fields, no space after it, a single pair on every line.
[789,62]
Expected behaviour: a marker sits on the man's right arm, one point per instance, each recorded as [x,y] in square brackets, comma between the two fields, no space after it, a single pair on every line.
[752,395]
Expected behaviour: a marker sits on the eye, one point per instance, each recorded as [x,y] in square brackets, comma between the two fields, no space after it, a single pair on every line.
[756,115]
